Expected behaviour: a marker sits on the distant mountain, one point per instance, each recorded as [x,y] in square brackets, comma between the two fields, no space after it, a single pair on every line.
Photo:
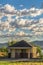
[3,45]
[38,43]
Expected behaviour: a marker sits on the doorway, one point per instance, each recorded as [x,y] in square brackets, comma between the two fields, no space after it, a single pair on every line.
[31,55]
[23,54]
[9,55]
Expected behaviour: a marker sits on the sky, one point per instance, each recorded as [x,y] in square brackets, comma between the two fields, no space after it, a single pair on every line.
[21,19]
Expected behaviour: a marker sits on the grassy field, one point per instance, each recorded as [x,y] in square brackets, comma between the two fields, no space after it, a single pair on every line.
[20,63]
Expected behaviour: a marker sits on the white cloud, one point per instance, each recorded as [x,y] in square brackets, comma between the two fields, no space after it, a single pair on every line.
[21,33]
[33,12]
[9,8]
[38,33]
[11,24]
[41,21]
[11,29]
[21,5]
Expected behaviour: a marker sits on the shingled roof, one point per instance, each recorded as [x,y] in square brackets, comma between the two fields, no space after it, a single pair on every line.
[21,43]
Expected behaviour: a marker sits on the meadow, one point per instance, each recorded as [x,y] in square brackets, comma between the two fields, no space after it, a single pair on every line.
[20,63]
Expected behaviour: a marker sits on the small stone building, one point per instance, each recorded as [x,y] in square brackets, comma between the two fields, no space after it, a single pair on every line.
[22,49]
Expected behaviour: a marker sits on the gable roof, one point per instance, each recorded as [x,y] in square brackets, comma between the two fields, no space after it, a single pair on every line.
[21,43]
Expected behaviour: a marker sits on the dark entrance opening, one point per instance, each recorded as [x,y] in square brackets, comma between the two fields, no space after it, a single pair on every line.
[9,55]
[17,55]
[23,54]
[31,55]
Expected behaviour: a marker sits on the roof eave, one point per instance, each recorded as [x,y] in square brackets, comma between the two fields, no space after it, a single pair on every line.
[19,47]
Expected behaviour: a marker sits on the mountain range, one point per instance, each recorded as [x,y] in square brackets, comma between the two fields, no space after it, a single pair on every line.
[37,43]
[3,45]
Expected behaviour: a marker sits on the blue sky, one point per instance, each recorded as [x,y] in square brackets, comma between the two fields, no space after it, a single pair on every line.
[21,17]
[26,3]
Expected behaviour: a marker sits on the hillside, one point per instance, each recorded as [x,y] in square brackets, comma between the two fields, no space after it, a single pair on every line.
[38,43]
[3,45]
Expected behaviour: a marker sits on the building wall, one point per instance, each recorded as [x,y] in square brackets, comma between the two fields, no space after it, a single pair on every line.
[28,51]
[34,52]
[12,53]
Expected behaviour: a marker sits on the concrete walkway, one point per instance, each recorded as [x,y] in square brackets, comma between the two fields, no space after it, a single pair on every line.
[15,60]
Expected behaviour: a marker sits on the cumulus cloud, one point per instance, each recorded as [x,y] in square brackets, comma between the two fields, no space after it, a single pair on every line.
[8,9]
[38,33]
[33,26]
[33,12]
[21,33]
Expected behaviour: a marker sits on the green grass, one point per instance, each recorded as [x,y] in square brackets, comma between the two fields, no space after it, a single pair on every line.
[20,63]
[4,63]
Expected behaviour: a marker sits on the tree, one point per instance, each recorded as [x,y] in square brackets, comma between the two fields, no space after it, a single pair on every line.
[11,42]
